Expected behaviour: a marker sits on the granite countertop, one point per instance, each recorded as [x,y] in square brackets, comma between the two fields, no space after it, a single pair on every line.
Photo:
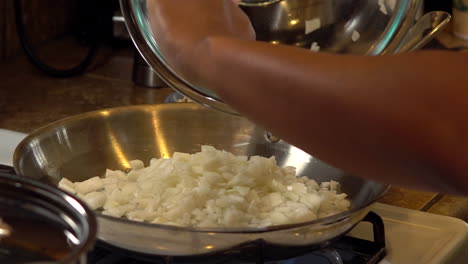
[29,100]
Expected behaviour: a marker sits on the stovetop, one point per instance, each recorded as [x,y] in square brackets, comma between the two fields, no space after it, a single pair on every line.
[410,236]
[345,250]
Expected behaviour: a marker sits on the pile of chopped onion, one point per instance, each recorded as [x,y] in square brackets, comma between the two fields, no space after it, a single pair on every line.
[211,188]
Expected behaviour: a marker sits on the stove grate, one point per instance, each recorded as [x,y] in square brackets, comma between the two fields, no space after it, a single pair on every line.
[343,250]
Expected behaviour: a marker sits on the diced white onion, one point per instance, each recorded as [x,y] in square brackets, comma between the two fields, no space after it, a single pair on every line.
[95,200]
[136,164]
[90,185]
[211,188]
[67,186]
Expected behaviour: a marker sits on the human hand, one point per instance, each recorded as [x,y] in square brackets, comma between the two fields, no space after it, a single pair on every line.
[181,26]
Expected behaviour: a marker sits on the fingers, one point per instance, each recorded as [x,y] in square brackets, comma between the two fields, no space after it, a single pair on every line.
[239,21]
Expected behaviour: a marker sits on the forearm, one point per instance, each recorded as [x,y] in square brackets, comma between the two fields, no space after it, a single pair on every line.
[380,117]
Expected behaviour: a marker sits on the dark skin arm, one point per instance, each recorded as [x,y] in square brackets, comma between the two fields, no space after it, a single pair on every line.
[399,119]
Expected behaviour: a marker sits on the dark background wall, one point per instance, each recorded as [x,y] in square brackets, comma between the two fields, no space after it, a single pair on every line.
[46,20]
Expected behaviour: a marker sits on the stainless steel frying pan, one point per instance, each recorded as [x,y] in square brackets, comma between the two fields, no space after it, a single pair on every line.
[85,145]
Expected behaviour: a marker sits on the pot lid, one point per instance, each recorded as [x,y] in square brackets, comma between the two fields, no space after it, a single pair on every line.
[39,223]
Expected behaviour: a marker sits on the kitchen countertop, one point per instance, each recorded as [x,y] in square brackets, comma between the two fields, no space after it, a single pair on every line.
[29,100]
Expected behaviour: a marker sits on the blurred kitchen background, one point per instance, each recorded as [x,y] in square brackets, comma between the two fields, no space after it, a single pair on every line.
[49,20]
[86,28]
[61,34]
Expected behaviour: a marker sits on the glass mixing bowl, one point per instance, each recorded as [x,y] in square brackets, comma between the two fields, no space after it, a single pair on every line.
[368,27]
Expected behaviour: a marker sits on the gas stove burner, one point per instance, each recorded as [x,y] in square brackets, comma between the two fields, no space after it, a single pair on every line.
[343,250]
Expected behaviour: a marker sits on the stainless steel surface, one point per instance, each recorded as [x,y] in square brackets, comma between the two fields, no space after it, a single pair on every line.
[286,22]
[119,29]
[382,26]
[424,30]
[257,2]
[144,75]
[83,146]
[31,203]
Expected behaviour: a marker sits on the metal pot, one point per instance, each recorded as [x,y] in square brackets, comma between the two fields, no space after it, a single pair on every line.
[41,224]
[85,145]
